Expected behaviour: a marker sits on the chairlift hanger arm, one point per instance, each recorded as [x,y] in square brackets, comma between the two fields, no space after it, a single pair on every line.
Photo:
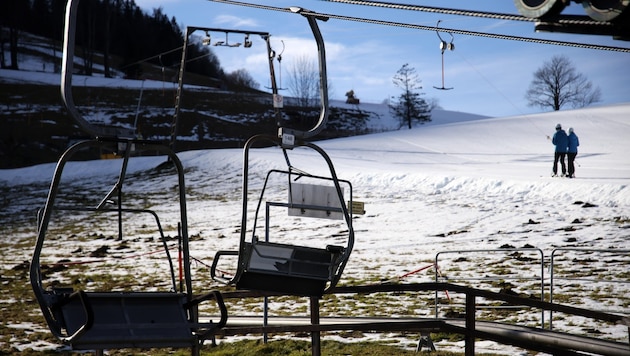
[67,69]
[312,18]
[272,71]
[323,81]
[443,47]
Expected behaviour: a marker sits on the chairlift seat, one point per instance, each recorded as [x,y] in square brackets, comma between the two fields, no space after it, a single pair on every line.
[290,269]
[126,320]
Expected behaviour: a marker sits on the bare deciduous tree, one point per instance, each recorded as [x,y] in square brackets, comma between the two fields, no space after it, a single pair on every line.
[304,81]
[242,78]
[557,84]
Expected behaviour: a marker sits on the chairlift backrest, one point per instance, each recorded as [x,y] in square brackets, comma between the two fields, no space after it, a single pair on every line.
[316,201]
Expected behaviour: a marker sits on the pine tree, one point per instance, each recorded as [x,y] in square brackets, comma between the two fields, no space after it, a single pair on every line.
[409,106]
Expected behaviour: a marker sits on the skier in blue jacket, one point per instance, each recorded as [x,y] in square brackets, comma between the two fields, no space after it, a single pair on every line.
[572,152]
[561,141]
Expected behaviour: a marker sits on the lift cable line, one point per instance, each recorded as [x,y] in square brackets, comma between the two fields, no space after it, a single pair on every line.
[562,19]
[599,21]
[433,28]
[159,55]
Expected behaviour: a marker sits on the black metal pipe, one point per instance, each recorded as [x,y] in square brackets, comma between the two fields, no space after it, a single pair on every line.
[316,349]
[67,65]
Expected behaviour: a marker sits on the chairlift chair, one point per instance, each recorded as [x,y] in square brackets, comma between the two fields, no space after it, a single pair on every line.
[88,320]
[266,262]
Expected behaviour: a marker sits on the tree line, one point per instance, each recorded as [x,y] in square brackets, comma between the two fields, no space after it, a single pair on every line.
[556,84]
[120,28]
[110,27]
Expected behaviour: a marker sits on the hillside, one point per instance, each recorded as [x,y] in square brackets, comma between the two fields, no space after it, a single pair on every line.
[474,194]
[465,199]
[37,128]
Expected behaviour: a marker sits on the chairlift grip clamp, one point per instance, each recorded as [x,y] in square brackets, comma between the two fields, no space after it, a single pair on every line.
[289,138]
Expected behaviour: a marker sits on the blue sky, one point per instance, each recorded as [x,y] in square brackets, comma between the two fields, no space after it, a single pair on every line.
[489,76]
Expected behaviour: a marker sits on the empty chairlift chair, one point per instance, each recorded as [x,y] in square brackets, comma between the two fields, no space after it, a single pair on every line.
[106,319]
[275,257]
[125,317]
[268,257]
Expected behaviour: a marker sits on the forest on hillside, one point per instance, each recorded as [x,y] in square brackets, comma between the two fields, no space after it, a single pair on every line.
[113,28]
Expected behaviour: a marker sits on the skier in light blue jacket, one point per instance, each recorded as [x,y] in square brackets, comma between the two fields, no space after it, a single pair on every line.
[572,152]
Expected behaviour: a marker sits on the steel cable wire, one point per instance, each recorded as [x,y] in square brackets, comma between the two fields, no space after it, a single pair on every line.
[562,19]
[433,28]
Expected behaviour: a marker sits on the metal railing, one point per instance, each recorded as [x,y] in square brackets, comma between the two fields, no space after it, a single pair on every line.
[530,338]
[590,277]
[484,276]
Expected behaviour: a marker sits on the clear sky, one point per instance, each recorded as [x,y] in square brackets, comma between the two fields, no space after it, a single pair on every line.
[488,76]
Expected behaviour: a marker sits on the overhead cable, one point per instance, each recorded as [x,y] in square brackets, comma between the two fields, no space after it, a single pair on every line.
[562,19]
[433,28]
[152,57]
